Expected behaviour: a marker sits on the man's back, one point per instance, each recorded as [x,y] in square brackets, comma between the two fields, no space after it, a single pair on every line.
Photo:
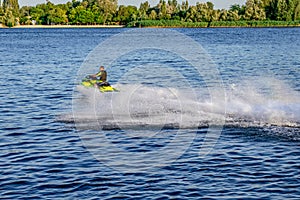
[103,76]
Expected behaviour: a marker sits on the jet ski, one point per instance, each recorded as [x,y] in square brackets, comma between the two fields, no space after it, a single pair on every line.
[89,81]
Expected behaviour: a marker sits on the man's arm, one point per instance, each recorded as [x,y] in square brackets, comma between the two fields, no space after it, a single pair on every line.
[95,75]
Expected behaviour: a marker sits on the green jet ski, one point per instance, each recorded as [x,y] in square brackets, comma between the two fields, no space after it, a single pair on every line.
[89,81]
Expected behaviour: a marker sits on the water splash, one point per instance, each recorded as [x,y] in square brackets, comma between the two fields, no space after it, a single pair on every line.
[263,102]
[145,107]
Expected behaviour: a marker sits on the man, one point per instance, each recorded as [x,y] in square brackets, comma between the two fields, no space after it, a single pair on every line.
[101,75]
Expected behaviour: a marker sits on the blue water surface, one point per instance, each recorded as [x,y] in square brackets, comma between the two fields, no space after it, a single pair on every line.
[42,157]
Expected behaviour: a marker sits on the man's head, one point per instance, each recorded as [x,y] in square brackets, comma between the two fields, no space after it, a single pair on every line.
[101,68]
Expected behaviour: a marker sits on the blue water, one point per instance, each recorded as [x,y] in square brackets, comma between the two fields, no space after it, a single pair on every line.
[45,155]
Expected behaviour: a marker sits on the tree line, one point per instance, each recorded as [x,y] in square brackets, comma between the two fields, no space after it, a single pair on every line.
[92,12]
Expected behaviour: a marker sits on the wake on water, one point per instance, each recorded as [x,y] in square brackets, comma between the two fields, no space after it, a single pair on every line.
[148,107]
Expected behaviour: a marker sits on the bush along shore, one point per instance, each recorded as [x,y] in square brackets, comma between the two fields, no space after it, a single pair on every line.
[182,24]
[166,13]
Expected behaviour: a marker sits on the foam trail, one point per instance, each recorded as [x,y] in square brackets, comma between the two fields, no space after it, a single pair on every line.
[144,107]
[139,106]
[266,102]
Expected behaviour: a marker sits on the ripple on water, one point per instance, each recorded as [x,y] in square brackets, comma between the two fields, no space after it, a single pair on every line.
[41,158]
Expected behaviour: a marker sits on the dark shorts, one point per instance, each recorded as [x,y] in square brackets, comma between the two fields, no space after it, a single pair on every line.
[103,84]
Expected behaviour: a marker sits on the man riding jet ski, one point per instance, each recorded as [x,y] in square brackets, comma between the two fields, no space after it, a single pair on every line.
[98,80]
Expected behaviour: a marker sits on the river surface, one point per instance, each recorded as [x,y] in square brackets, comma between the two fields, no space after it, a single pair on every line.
[174,131]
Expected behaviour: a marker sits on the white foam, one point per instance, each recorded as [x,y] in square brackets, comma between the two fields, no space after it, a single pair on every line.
[140,106]
[265,101]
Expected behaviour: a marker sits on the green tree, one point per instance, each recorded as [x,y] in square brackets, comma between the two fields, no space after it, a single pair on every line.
[271,9]
[75,3]
[9,19]
[254,10]
[87,12]
[204,12]
[297,10]
[86,17]
[210,5]
[172,8]
[144,7]
[127,14]
[108,8]
[182,10]
[184,5]
[77,14]
[162,9]
[233,15]
[11,5]
[72,16]
[1,14]
[153,15]
[238,8]
[37,14]
[10,13]
[25,17]
[215,16]
[107,11]
[98,15]
[285,10]
[223,15]
[190,14]
[56,15]
[1,10]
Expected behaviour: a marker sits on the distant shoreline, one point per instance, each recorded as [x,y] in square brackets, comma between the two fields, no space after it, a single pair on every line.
[65,26]
[189,25]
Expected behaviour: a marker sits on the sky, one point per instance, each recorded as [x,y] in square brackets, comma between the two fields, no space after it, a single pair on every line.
[218,3]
